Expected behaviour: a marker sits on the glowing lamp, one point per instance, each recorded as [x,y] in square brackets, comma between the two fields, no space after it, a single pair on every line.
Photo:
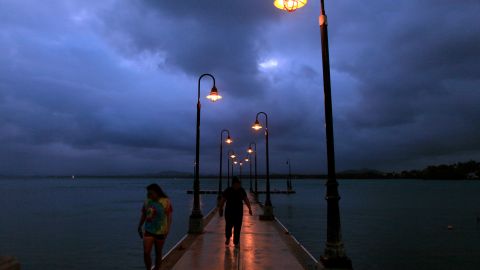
[247,160]
[214,96]
[235,162]
[289,5]
[257,125]
[232,156]
[250,150]
[229,140]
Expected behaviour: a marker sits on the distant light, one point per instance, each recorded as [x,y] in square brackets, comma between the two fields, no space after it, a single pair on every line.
[270,63]
[229,140]
[235,162]
[247,160]
[289,5]
[232,156]
[250,150]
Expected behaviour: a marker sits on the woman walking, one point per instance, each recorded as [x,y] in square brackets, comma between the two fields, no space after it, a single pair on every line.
[157,218]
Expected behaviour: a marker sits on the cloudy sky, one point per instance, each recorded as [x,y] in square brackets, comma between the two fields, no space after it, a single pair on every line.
[109,86]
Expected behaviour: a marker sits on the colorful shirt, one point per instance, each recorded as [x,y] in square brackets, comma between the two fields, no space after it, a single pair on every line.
[156,215]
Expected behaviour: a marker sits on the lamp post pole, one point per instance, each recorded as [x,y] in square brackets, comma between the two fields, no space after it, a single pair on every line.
[267,208]
[196,217]
[334,255]
[219,197]
[250,175]
[254,150]
[229,154]
[289,180]
[240,164]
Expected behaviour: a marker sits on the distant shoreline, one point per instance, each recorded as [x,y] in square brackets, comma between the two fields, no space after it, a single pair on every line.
[262,177]
[469,170]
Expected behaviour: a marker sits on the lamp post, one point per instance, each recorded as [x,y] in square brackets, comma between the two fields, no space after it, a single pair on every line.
[196,217]
[334,255]
[289,180]
[232,156]
[254,151]
[228,140]
[240,164]
[249,160]
[235,162]
[267,208]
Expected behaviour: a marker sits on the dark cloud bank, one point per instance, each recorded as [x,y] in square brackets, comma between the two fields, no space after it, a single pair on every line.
[102,87]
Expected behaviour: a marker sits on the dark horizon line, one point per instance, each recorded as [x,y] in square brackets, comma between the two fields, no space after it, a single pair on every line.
[457,170]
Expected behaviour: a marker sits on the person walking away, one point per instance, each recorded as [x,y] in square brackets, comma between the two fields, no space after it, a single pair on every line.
[156,218]
[234,197]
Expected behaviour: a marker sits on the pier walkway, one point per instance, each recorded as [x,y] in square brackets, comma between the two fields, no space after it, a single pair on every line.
[264,245]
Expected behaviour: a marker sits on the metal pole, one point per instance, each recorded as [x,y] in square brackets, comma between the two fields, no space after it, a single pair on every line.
[250,161]
[268,208]
[196,217]
[334,256]
[219,197]
[256,175]
[228,176]
[289,181]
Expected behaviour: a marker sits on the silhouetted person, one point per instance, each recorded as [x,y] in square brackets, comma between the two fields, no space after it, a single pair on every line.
[234,197]
[157,217]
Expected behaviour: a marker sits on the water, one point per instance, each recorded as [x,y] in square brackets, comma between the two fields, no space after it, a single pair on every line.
[91,223]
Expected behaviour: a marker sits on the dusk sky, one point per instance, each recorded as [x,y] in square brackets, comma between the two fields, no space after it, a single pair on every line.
[109,87]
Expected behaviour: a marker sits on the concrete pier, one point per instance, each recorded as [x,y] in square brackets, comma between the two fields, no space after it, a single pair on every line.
[263,245]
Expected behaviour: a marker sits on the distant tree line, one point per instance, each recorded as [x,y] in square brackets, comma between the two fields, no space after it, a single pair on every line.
[461,170]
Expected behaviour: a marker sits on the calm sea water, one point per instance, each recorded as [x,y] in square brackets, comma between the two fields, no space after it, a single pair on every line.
[61,224]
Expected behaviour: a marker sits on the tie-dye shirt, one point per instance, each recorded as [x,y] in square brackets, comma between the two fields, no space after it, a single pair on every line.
[156,215]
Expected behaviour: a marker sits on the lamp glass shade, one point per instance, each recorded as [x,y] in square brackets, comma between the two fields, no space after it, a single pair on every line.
[229,140]
[289,5]
[214,96]
[249,150]
[257,125]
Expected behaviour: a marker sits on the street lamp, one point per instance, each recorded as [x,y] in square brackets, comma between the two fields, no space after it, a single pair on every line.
[250,151]
[232,156]
[290,5]
[228,140]
[334,255]
[196,217]
[267,208]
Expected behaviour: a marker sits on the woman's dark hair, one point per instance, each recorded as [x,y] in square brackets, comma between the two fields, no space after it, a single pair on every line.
[157,189]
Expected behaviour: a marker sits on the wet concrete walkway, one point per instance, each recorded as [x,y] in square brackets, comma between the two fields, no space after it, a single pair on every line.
[262,246]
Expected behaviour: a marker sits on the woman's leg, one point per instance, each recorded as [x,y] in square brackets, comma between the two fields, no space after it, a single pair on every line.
[148,242]
[158,253]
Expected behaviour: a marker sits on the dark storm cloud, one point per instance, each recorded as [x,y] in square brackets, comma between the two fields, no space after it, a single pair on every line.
[109,86]
[221,37]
